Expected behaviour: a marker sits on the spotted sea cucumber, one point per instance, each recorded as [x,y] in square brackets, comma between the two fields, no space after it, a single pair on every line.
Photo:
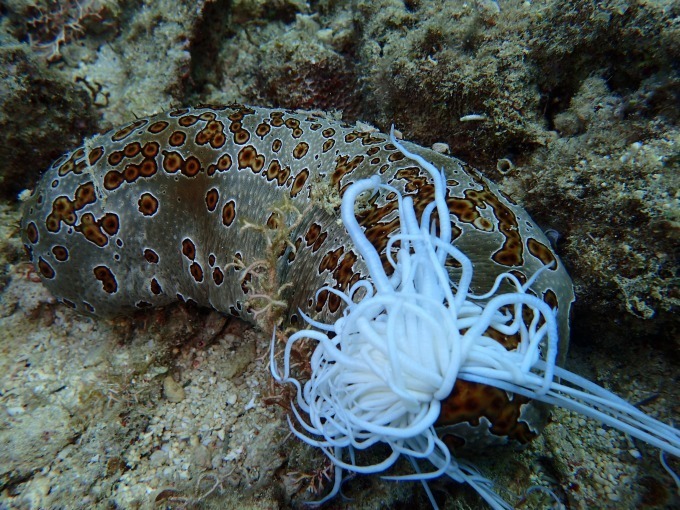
[237,208]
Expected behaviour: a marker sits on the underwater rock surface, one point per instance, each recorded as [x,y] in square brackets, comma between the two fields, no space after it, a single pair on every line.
[583,102]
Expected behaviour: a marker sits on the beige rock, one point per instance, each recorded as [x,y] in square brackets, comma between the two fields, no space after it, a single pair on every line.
[172,390]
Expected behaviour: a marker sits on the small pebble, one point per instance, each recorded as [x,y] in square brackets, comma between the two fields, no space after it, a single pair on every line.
[15,410]
[95,355]
[441,148]
[158,458]
[216,461]
[635,454]
[200,457]
[172,390]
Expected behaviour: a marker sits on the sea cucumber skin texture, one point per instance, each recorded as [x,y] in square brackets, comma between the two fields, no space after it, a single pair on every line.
[160,209]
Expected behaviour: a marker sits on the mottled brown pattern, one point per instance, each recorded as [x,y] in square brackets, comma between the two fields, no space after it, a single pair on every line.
[249,158]
[330,260]
[113,180]
[212,133]
[550,297]
[72,165]
[327,145]
[274,221]
[150,149]
[344,273]
[172,161]
[191,166]
[148,167]
[62,210]
[312,233]
[276,172]
[188,120]
[91,229]
[345,166]
[470,401]
[132,149]
[262,129]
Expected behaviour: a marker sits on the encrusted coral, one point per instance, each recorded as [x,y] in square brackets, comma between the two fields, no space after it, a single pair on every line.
[616,207]
[53,23]
[39,113]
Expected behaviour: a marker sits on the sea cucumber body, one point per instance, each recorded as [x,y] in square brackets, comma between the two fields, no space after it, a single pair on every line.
[222,204]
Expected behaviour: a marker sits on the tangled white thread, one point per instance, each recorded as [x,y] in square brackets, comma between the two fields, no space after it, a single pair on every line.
[398,350]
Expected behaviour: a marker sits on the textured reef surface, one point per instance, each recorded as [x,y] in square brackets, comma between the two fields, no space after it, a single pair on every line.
[572,110]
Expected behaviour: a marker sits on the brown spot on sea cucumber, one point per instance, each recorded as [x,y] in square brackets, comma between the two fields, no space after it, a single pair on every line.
[196,271]
[300,150]
[541,252]
[177,138]
[108,279]
[157,127]
[60,253]
[188,120]
[328,145]
[191,166]
[45,269]
[132,149]
[172,161]
[95,155]
[91,230]
[229,213]
[151,256]
[188,248]
[249,158]
[110,223]
[262,129]
[150,149]
[32,232]
[299,182]
[211,199]
[218,276]
[84,195]
[112,180]
[128,130]
[148,204]
[156,287]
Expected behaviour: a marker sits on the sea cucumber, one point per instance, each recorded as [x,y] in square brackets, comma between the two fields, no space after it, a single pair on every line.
[237,208]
